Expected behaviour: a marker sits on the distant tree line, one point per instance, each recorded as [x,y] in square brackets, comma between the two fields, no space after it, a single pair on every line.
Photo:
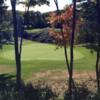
[35,20]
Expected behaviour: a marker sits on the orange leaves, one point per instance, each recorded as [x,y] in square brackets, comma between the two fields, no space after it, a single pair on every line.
[67,15]
[63,22]
[52,18]
[61,17]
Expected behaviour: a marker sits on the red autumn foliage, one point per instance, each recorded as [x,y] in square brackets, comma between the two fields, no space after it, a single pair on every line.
[63,21]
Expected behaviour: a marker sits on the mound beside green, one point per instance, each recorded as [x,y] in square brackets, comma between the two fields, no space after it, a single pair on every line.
[39,51]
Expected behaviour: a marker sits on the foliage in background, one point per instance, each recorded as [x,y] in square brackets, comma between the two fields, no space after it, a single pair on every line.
[90,13]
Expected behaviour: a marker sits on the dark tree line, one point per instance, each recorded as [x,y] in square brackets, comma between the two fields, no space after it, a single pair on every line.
[3,21]
[90,30]
[35,20]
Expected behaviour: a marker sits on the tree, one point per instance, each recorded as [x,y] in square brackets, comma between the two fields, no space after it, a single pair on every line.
[62,36]
[32,3]
[16,45]
[35,20]
[3,23]
[90,13]
[65,21]
[6,35]
[72,46]
[98,45]
[18,29]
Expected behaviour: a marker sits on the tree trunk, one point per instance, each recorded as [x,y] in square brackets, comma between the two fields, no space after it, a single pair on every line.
[98,46]
[65,50]
[97,70]
[66,57]
[17,55]
[71,48]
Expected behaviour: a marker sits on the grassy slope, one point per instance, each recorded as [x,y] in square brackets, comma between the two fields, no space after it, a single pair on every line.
[86,62]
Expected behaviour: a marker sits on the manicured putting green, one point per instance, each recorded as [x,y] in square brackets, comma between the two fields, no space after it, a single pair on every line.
[39,51]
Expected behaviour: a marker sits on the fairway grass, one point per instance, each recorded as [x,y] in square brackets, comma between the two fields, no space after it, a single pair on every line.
[39,51]
[38,57]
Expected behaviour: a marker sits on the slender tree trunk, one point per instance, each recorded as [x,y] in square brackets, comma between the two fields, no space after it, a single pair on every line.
[71,48]
[97,70]
[17,55]
[66,57]
[98,46]
[65,50]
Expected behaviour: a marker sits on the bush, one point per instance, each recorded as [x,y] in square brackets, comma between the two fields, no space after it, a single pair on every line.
[81,92]
[8,90]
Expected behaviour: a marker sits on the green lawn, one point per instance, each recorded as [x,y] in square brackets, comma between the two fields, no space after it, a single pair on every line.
[38,51]
[37,57]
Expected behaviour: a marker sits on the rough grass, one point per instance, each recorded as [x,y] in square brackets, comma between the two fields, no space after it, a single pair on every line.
[38,57]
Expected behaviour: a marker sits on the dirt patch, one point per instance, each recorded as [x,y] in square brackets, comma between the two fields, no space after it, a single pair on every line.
[6,69]
[61,75]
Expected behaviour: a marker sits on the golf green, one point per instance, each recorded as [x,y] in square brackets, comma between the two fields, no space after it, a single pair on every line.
[39,51]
